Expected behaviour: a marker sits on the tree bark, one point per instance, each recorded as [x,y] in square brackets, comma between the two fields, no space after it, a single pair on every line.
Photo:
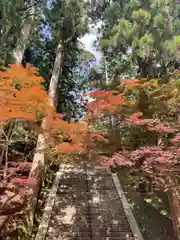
[18,51]
[36,175]
[174,198]
[57,71]
[23,39]
[174,202]
[38,167]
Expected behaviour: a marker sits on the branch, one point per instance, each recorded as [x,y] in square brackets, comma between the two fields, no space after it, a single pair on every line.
[30,6]
[27,16]
[8,136]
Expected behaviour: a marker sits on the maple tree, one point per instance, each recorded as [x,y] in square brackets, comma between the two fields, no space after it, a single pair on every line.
[148,117]
[25,98]
[22,92]
[27,105]
[23,103]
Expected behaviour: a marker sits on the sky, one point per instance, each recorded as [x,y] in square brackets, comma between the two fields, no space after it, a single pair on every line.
[89,39]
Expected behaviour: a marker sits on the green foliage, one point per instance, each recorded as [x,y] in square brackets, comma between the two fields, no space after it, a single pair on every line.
[149,28]
[64,21]
[10,22]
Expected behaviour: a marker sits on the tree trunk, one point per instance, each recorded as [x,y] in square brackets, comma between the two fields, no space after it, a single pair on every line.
[106,73]
[174,198]
[37,171]
[18,51]
[145,67]
[36,175]
[57,70]
[23,39]
[174,202]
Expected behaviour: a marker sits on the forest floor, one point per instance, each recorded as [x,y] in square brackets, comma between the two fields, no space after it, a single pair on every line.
[13,178]
[151,210]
